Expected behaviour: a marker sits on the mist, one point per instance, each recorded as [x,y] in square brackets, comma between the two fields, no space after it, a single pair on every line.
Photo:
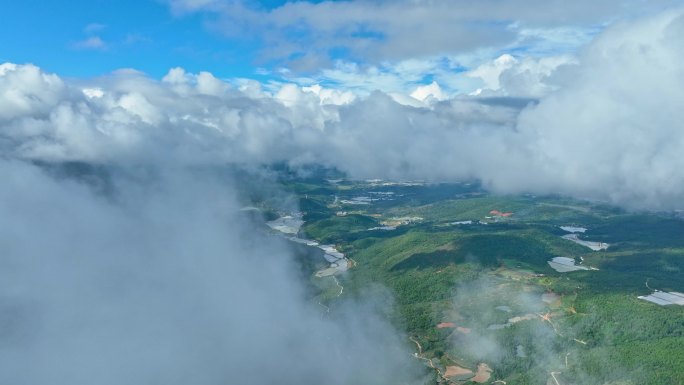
[162,279]
[514,325]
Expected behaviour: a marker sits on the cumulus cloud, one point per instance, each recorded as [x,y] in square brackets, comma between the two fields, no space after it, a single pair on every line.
[27,91]
[490,72]
[126,258]
[612,128]
[429,92]
[602,125]
[203,83]
[521,77]
[331,96]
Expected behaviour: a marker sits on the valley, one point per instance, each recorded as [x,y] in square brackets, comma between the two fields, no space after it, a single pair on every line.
[491,289]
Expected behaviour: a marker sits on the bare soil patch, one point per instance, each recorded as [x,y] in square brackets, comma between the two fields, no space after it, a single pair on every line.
[484,372]
[445,325]
[457,371]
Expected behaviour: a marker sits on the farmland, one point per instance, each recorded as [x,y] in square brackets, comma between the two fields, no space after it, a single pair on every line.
[492,288]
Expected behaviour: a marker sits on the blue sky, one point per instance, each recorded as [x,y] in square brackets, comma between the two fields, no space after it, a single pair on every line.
[367,44]
[138,34]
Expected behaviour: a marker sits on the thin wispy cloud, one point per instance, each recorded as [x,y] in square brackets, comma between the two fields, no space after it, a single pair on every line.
[94,28]
[395,30]
[92,43]
[136,38]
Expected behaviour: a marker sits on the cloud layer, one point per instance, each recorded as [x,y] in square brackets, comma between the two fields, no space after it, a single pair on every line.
[308,35]
[605,124]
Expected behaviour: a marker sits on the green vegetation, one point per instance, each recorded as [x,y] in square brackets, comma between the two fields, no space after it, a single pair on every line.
[338,229]
[479,276]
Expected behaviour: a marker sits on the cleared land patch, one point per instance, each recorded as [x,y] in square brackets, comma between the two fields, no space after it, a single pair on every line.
[288,224]
[458,373]
[484,372]
[596,246]
[664,298]
[565,265]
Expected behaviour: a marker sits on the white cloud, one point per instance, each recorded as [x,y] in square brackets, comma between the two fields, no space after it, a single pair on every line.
[613,128]
[490,72]
[204,82]
[209,85]
[93,92]
[401,77]
[331,96]
[93,42]
[138,105]
[523,77]
[27,91]
[430,92]
[378,31]
[603,125]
